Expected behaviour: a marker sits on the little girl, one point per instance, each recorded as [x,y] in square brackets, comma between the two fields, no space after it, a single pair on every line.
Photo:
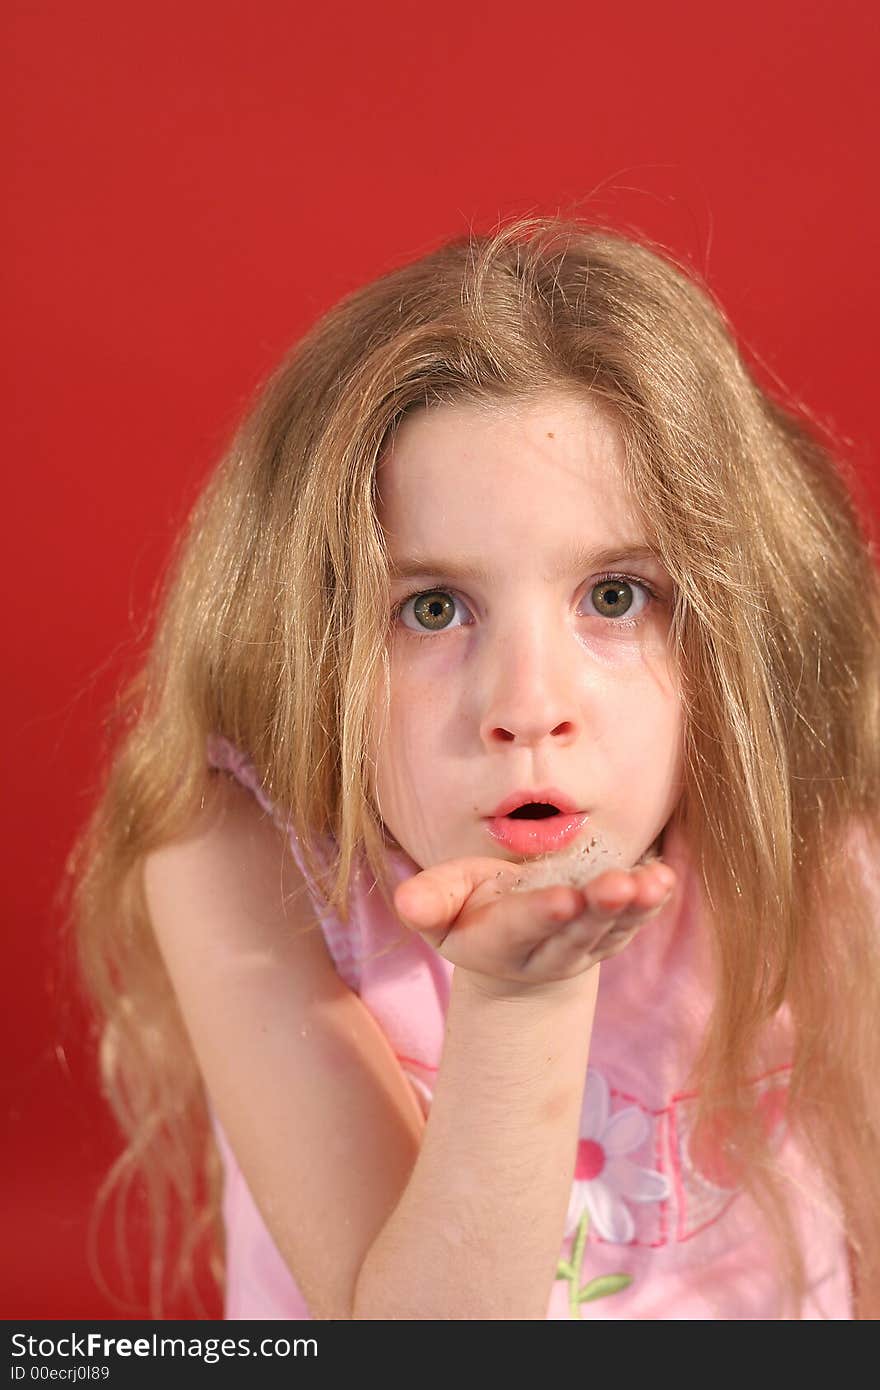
[481,910]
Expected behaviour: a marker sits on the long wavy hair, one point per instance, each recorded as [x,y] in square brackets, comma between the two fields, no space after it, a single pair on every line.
[270,629]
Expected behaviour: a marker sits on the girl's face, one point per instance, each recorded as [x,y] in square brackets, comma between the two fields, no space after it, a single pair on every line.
[516,662]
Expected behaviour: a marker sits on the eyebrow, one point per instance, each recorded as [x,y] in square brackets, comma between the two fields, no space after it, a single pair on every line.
[577,560]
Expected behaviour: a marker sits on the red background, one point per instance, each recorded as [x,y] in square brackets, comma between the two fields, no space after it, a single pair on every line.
[188,187]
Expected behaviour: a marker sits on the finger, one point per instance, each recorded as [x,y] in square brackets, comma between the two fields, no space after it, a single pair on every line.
[654,884]
[432,899]
[516,922]
[606,926]
[631,891]
[611,893]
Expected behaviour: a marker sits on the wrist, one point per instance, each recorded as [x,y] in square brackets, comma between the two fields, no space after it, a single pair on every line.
[551,993]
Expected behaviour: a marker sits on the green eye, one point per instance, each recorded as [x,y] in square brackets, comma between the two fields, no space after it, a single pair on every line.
[616,597]
[611,597]
[434,609]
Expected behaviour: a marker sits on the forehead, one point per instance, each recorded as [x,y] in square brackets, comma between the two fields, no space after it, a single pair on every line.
[463,474]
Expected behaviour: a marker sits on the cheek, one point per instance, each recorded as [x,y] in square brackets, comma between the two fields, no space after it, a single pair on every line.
[645,732]
[420,697]
[400,730]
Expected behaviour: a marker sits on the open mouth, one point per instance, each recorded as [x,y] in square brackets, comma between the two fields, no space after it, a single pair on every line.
[533,810]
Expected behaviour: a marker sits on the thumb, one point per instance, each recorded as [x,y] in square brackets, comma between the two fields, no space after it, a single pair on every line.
[432,900]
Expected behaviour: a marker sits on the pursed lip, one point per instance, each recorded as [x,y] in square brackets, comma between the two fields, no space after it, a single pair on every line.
[549,796]
[542,836]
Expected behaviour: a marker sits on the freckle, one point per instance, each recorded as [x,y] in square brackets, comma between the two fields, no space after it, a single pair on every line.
[555,1107]
[550,434]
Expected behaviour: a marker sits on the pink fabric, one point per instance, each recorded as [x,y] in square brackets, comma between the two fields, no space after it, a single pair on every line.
[641,1205]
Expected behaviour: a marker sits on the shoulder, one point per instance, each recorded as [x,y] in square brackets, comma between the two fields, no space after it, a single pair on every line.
[233,863]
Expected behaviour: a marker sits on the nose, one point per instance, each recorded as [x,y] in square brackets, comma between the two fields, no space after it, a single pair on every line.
[532,687]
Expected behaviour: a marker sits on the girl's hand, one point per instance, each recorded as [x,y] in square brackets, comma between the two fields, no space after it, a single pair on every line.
[466,910]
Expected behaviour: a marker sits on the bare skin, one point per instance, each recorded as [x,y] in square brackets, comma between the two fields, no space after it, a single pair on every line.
[512,942]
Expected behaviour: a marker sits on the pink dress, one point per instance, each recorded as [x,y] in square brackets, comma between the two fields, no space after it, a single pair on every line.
[669,1227]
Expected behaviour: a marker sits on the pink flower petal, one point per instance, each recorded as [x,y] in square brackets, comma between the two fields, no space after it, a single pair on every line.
[634,1183]
[625,1131]
[610,1216]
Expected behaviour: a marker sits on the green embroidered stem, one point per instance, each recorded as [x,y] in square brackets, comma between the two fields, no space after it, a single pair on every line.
[569,1272]
[601,1287]
[577,1259]
[604,1285]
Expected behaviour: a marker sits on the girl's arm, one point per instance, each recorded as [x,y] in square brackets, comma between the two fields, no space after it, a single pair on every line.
[478,1229]
[322,1121]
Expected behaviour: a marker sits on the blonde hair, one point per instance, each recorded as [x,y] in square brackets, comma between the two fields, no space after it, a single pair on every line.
[272,629]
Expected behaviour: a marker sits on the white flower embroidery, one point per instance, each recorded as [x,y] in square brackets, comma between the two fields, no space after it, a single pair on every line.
[603,1177]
